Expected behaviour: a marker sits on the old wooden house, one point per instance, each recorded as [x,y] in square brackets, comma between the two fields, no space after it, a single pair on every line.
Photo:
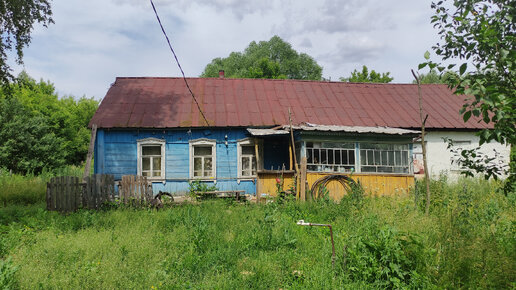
[153,127]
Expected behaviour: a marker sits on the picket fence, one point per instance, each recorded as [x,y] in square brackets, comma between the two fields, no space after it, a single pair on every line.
[68,193]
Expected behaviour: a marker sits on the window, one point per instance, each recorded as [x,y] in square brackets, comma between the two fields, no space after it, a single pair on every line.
[151,158]
[247,163]
[202,158]
[330,157]
[389,158]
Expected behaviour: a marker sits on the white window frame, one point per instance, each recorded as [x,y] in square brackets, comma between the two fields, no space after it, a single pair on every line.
[248,142]
[205,143]
[151,142]
[334,167]
[381,154]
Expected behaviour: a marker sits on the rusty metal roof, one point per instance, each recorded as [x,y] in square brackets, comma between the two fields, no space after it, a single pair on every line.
[151,102]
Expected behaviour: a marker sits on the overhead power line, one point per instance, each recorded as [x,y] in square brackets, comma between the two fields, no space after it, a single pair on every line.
[178,64]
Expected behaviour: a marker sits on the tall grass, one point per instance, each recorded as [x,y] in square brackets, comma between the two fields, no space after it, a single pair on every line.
[467,241]
[29,189]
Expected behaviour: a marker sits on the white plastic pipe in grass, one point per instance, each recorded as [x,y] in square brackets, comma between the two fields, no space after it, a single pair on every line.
[303,223]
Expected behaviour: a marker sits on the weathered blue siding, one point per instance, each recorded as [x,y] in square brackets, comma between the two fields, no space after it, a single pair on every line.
[116,153]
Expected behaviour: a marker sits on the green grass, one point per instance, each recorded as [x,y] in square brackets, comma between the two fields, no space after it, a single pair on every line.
[468,241]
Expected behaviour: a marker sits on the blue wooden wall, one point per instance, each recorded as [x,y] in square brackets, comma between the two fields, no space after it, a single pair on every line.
[116,153]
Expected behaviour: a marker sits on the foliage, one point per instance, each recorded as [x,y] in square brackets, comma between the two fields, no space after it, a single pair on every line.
[482,33]
[475,159]
[41,130]
[17,19]
[27,143]
[365,76]
[273,59]
[198,187]
[433,77]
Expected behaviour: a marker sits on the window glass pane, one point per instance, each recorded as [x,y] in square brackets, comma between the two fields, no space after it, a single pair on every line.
[384,169]
[317,157]
[156,163]
[351,159]
[254,166]
[146,163]
[207,173]
[384,158]
[197,173]
[156,173]
[338,159]
[330,156]
[404,158]
[368,169]
[363,157]
[324,157]
[207,163]
[145,173]
[248,150]
[197,163]
[390,157]
[397,158]
[202,150]
[312,167]
[245,163]
[370,157]
[309,156]
[151,150]
[309,145]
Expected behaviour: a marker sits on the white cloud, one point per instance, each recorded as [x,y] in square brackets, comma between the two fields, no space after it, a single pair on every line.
[94,41]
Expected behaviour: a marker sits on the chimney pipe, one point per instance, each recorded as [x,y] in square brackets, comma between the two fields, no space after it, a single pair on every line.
[221,74]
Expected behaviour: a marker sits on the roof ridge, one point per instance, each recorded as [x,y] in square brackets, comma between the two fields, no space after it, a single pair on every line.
[281,80]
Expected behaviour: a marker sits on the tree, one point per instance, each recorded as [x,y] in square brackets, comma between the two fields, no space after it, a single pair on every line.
[481,33]
[266,59]
[63,118]
[17,18]
[433,77]
[365,77]
[27,143]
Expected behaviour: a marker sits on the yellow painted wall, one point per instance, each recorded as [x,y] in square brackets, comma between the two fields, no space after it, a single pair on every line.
[267,183]
[374,184]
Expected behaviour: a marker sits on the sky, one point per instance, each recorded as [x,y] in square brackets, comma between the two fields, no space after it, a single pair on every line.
[93,42]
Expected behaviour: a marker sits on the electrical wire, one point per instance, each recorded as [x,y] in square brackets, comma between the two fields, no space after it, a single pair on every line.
[178,64]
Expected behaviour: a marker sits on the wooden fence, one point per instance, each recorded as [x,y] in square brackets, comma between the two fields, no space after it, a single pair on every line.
[67,193]
[135,189]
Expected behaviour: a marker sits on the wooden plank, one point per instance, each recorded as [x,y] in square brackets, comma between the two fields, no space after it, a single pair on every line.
[77,195]
[89,197]
[302,181]
[98,189]
[67,189]
[90,151]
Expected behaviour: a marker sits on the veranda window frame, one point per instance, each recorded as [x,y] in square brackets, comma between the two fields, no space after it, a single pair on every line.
[380,158]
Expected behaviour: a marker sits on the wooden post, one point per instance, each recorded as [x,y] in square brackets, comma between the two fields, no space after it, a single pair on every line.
[297,177]
[290,156]
[302,180]
[423,145]
[90,151]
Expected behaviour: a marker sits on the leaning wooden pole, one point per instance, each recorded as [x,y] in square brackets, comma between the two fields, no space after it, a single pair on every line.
[296,166]
[90,151]
[423,145]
